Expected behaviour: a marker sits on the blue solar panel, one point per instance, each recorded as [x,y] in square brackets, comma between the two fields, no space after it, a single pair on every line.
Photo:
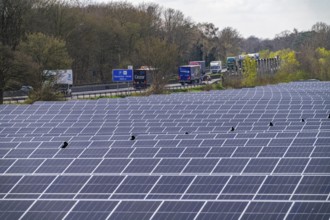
[112,166]
[178,210]
[221,152]
[49,210]
[8,182]
[279,185]
[25,166]
[207,185]
[32,184]
[13,209]
[309,210]
[227,165]
[67,184]
[83,166]
[102,184]
[135,210]
[185,162]
[287,165]
[266,210]
[141,166]
[200,165]
[195,152]
[137,185]
[5,163]
[92,210]
[54,166]
[260,165]
[178,184]
[222,210]
[171,166]
[247,152]
[243,184]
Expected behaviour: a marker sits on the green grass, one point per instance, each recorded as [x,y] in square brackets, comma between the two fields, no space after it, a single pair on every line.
[107,97]
[207,87]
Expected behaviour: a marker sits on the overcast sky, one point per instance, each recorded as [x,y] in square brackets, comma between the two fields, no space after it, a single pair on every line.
[263,18]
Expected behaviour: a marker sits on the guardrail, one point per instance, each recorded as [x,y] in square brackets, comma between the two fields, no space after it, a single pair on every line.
[112,93]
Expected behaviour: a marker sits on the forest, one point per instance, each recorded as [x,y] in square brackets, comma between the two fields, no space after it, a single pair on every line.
[92,39]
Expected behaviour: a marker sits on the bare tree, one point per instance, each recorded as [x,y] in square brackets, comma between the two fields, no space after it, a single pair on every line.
[251,45]
[160,57]
[12,14]
[322,38]
[230,42]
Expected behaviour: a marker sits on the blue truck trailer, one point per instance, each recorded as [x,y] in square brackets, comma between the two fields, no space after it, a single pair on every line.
[189,74]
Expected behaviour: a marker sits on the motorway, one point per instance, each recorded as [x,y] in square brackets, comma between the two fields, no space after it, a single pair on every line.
[106,92]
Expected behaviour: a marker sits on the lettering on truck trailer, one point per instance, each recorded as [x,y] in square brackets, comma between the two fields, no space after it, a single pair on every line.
[184,70]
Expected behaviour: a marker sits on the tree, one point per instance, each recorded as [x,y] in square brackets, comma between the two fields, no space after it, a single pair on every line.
[209,41]
[12,14]
[177,29]
[230,42]
[251,45]
[290,68]
[15,68]
[322,38]
[161,57]
[48,53]
[249,72]
[323,62]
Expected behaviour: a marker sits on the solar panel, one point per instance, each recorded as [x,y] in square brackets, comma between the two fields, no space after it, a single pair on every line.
[49,209]
[186,161]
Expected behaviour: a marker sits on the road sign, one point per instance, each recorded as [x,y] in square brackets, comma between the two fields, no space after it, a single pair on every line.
[122,75]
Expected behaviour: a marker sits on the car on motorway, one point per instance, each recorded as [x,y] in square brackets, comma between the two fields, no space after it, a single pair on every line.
[26,89]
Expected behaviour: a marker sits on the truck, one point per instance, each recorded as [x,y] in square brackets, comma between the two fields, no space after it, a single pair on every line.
[201,63]
[142,77]
[62,80]
[231,64]
[189,74]
[215,66]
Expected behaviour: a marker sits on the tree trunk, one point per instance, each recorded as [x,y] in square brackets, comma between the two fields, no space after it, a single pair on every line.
[1,96]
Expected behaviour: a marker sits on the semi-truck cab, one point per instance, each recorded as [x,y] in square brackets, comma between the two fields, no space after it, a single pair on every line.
[215,66]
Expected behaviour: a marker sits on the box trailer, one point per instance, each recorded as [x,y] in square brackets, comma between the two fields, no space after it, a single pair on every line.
[190,74]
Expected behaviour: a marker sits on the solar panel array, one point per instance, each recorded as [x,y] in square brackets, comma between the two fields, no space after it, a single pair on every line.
[207,155]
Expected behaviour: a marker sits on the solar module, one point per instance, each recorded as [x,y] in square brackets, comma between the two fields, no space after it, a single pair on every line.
[185,162]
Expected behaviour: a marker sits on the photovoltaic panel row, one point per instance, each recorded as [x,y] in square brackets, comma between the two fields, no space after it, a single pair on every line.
[15,209]
[186,162]
[165,187]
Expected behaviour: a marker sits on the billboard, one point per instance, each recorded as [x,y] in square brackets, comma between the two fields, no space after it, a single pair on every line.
[122,75]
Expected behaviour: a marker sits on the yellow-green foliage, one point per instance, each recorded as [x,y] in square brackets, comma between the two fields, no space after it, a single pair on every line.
[323,62]
[250,71]
[289,62]
[290,67]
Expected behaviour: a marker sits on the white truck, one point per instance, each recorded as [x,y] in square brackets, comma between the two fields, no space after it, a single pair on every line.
[215,66]
[62,79]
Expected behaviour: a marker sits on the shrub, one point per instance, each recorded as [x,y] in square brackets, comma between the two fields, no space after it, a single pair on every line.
[250,72]
[207,87]
[46,93]
[323,62]
[232,81]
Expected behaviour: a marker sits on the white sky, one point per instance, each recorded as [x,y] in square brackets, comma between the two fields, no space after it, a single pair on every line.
[263,18]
